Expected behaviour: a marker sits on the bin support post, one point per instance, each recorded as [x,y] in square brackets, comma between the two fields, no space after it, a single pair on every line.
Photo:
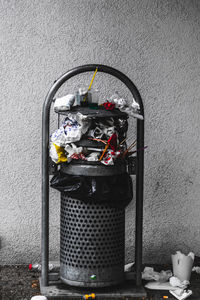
[45,194]
[139,202]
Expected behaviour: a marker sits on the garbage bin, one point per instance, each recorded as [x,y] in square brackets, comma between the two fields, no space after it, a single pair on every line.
[92,231]
[92,226]
[92,240]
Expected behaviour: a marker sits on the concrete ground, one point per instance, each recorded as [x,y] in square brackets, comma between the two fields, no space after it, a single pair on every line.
[18,283]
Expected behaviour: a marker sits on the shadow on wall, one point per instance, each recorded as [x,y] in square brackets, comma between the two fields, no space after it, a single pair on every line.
[165,241]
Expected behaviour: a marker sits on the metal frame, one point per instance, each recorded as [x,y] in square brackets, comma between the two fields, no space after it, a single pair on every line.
[45,165]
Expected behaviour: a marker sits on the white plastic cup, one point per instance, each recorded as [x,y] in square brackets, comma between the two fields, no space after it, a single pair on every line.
[182,266]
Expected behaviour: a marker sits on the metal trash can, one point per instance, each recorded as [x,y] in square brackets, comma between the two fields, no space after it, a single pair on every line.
[92,243]
[93,257]
[92,235]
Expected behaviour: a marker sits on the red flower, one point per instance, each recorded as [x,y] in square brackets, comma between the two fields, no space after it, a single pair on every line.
[108,105]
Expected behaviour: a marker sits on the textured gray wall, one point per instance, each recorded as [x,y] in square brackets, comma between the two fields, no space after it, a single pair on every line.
[156,43]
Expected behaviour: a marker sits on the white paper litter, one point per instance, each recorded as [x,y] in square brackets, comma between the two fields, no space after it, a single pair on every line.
[156,285]
[72,148]
[64,103]
[53,153]
[39,298]
[150,274]
[181,294]
[129,267]
[174,281]
[94,156]
[196,269]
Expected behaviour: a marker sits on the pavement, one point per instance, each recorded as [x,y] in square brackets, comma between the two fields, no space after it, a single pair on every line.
[17,282]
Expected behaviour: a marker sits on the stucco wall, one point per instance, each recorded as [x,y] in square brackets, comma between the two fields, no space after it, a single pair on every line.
[155,43]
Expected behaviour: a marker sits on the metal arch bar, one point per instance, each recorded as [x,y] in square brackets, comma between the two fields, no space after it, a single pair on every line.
[45,165]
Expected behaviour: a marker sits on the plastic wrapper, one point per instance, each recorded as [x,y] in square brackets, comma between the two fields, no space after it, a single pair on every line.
[102,129]
[110,157]
[71,130]
[132,108]
[113,190]
[100,133]
[150,274]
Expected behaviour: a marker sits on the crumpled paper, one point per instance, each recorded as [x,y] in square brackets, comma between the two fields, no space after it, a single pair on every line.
[196,269]
[74,152]
[72,148]
[57,153]
[174,281]
[150,274]
[94,156]
[64,103]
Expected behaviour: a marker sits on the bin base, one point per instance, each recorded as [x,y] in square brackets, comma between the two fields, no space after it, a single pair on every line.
[58,290]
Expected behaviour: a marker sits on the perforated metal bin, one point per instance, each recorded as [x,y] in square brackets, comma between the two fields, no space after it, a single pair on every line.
[92,243]
[92,239]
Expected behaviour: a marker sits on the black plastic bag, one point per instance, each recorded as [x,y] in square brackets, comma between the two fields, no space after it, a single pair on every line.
[113,190]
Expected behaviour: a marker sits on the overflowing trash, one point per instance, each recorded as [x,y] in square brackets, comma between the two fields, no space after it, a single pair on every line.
[108,136]
[94,132]
[103,123]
